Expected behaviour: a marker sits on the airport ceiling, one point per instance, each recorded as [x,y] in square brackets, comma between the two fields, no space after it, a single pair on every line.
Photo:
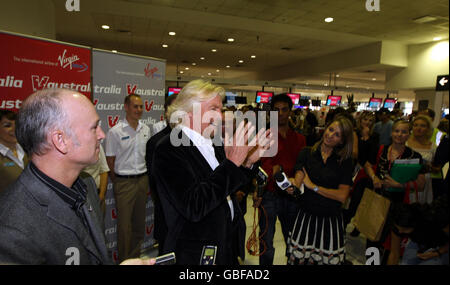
[277,33]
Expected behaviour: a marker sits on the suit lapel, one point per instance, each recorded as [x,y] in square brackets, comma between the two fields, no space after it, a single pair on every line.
[62,214]
[219,151]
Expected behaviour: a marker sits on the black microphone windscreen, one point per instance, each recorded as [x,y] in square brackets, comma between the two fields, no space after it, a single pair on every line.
[279,177]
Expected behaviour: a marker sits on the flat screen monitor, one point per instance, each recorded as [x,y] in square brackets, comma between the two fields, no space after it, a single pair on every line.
[375,103]
[389,103]
[241,100]
[333,100]
[173,90]
[294,97]
[263,97]
[303,102]
[316,102]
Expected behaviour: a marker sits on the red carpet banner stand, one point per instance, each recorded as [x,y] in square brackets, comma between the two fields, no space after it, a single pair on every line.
[116,75]
[28,64]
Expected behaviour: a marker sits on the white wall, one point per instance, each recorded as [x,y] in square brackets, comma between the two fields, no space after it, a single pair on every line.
[425,63]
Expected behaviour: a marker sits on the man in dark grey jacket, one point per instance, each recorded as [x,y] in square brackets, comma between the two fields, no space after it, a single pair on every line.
[50,215]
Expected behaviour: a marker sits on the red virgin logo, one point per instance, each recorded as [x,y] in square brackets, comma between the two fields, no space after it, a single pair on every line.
[113,214]
[112,121]
[150,71]
[148,106]
[131,89]
[148,230]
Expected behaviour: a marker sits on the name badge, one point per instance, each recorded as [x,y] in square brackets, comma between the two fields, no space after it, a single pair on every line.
[125,138]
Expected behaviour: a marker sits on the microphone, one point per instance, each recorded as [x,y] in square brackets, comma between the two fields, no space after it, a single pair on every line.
[284,183]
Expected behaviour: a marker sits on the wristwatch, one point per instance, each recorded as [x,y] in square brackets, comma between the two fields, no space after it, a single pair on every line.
[316,188]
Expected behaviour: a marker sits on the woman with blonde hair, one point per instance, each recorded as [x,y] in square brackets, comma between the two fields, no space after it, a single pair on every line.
[422,130]
[325,172]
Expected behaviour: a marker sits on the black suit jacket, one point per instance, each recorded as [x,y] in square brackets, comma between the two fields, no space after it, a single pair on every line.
[38,227]
[194,201]
[160,228]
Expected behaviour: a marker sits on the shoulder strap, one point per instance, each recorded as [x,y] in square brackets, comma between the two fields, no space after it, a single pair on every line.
[380,151]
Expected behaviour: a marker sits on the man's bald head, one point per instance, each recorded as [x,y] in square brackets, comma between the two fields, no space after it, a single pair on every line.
[41,113]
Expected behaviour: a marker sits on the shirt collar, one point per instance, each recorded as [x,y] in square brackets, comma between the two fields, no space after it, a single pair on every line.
[75,196]
[5,151]
[195,137]
[126,124]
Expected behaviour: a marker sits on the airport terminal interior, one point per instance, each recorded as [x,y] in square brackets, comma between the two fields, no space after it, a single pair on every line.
[358,50]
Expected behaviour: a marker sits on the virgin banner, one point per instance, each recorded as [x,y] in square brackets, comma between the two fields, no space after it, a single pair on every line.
[114,77]
[29,64]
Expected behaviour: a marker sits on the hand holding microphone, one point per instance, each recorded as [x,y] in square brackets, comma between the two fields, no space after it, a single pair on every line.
[284,184]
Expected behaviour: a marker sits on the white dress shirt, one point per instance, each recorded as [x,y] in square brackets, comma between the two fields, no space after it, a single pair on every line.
[128,146]
[9,154]
[204,145]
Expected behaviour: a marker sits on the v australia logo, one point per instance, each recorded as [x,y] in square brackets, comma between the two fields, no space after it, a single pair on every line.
[112,121]
[131,89]
[150,71]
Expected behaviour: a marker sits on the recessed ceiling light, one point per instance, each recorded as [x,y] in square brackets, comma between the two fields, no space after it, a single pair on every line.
[241,61]
[164,46]
[230,40]
[194,63]
[181,71]
[374,79]
[329,20]
[114,51]
[209,73]
[218,70]
[437,38]
[214,50]
[337,75]
[227,66]
[202,58]
[187,68]
[172,33]
[253,56]
[105,27]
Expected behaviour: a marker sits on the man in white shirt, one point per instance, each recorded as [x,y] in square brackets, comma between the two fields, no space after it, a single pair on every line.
[99,171]
[195,180]
[125,154]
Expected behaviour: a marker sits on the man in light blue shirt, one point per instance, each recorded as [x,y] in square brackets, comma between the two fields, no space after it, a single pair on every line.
[384,127]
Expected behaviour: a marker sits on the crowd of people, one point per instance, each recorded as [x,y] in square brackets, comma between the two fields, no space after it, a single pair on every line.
[54,175]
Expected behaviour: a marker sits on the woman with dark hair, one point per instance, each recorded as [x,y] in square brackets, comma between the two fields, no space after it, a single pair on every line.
[368,145]
[12,157]
[426,228]
[325,172]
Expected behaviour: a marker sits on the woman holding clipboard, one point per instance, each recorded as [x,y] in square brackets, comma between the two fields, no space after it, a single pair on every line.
[388,155]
